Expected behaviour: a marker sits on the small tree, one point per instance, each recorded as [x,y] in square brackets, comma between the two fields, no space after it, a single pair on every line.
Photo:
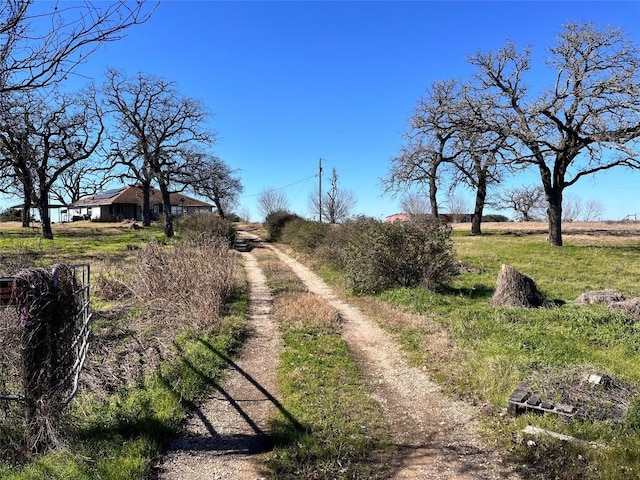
[214,179]
[336,204]
[528,202]
[413,203]
[458,206]
[593,210]
[272,200]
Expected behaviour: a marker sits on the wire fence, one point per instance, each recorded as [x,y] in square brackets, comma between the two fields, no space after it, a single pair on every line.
[44,336]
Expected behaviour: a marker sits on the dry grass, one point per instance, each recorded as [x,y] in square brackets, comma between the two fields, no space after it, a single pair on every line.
[579,233]
[300,309]
[188,283]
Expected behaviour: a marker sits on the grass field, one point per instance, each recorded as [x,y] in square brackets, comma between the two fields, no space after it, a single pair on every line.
[476,351]
[144,370]
[485,351]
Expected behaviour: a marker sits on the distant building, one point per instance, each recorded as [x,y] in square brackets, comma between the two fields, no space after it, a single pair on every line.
[398,217]
[126,204]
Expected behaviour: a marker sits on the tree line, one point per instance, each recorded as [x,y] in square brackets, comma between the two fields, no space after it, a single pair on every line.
[498,123]
[61,145]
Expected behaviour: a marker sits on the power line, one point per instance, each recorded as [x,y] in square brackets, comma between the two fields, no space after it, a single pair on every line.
[282,188]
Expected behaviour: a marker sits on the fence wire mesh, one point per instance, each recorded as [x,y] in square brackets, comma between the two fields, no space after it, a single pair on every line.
[44,333]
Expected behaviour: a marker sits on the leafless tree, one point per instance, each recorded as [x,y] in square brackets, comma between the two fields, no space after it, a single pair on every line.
[413,203]
[272,200]
[458,206]
[337,203]
[429,139]
[593,211]
[576,209]
[41,139]
[528,202]
[571,209]
[40,45]
[157,134]
[585,122]
[447,130]
[80,180]
[214,179]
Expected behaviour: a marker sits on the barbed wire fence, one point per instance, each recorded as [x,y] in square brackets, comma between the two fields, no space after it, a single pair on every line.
[44,333]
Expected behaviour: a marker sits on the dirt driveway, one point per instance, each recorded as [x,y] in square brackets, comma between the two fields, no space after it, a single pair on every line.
[436,437]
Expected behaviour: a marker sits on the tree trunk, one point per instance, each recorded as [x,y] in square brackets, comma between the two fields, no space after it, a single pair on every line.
[26,212]
[433,200]
[27,195]
[45,219]
[146,204]
[166,204]
[481,196]
[554,214]
[218,204]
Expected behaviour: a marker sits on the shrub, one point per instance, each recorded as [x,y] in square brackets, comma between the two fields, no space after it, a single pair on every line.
[305,235]
[188,281]
[275,222]
[378,256]
[10,215]
[196,224]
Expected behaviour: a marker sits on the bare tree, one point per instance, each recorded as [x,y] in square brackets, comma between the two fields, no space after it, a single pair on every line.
[458,206]
[447,131]
[337,202]
[585,122]
[576,209]
[428,146]
[157,134]
[571,209]
[413,203]
[272,200]
[593,211]
[214,179]
[42,139]
[527,202]
[40,48]
[81,180]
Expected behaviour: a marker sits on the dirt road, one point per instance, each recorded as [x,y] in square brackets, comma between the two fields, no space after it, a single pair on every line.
[435,436]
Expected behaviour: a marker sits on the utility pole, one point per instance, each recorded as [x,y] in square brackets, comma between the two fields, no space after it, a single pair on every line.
[320,190]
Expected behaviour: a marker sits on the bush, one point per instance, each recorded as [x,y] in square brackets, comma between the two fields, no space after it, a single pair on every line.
[378,256]
[196,224]
[276,221]
[10,215]
[189,281]
[495,218]
[305,235]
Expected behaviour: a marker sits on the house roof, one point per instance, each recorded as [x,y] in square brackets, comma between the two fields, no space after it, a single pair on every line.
[133,195]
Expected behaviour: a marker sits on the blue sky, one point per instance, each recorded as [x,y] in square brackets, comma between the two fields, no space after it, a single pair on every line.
[290,82]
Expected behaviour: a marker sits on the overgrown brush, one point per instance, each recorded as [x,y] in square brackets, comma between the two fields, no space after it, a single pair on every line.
[305,235]
[378,256]
[187,281]
[276,221]
[202,223]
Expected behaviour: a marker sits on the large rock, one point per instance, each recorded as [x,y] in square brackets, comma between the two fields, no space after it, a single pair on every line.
[515,289]
[630,307]
[599,296]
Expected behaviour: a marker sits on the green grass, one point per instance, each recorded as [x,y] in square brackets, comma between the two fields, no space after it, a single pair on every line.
[340,425]
[332,428]
[81,242]
[119,436]
[497,348]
